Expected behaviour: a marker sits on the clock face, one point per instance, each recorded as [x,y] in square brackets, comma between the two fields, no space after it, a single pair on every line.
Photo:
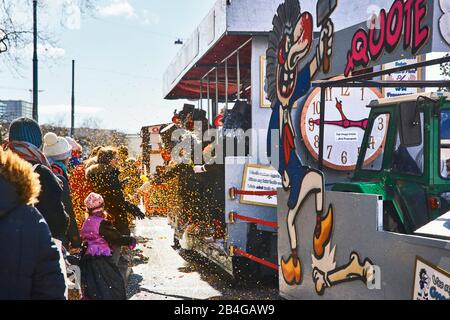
[346,120]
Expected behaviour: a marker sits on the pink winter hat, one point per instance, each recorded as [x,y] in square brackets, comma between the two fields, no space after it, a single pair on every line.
[75,145]
[94,203]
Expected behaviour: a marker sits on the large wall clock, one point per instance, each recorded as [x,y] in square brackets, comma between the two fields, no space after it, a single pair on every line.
[346,119]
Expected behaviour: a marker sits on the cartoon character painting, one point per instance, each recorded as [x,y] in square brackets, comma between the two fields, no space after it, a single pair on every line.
[290,43]
[324,271]
[289,77]
[424,285]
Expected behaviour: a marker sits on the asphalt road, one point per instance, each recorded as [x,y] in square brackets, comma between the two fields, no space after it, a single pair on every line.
[160,272]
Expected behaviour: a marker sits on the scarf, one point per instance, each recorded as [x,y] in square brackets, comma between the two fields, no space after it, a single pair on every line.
[59,168]
[27,152]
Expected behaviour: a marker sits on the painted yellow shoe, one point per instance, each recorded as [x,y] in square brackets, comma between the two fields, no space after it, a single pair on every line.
[322,234]
[291,272]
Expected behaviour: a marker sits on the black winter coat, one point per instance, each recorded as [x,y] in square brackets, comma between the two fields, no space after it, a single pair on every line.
[214,190]
[105,181]
[50,204]
[72,237]
[192,207]
[29,259]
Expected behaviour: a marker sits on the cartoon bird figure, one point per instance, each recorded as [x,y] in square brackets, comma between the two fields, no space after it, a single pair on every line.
[289,44]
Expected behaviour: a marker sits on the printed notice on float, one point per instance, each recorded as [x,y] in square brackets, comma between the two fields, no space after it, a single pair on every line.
[345,136]
[260,178]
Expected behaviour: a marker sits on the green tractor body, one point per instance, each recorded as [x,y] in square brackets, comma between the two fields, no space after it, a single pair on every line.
[411,172]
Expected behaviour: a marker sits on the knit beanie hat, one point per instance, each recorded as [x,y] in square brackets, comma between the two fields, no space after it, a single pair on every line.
[25,130]
[56,148]
[94,203]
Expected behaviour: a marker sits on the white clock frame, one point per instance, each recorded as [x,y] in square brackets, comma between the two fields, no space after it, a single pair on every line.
[359,113]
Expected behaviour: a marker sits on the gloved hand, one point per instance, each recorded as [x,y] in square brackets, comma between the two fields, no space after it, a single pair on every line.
[140,215]
[133,244]
[199,169]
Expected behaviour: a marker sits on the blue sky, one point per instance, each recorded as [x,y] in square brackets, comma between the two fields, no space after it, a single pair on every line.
[121,50]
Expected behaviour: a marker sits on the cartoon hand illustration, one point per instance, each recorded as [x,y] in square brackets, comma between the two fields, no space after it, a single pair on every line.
[319,281]
[353,270]
[325,47]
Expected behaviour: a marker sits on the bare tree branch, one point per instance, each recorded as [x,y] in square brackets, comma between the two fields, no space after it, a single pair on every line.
[16,22]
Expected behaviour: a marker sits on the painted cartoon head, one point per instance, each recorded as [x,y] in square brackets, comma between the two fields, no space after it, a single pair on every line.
[423,275]
[289,42]
[293,47]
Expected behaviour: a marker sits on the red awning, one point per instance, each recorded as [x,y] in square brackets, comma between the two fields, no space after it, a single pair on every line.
[189,86]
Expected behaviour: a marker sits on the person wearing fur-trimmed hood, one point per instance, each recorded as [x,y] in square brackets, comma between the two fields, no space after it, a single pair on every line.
[29,267]
[25,140]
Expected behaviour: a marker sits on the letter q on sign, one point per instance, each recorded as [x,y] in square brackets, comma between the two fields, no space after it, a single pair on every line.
[444,21]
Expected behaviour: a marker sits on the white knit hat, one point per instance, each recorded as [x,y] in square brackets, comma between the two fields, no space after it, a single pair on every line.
[56,148]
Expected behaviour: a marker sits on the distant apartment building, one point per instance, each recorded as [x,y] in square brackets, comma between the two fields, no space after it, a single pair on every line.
[13,109]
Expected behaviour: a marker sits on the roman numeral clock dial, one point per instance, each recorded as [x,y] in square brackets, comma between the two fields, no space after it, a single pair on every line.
[346,119]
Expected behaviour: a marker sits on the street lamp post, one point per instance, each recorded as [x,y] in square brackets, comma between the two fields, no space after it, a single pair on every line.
[35,64]
[72,113]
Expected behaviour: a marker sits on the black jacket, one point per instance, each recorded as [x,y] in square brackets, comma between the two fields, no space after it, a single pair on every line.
[113,236]
[189,192]
[105,181]
[72,237]
[50,204]
[29,259]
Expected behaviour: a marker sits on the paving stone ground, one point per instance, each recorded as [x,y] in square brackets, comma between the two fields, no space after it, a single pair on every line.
[159,272]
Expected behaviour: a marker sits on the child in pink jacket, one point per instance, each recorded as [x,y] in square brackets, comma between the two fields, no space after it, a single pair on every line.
[100,277]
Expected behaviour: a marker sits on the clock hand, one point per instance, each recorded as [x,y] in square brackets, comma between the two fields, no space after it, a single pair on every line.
[345,123]
[339,107]
[362,124]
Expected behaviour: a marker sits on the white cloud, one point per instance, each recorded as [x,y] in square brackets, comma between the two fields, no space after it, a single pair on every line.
[117,9]
[71,18]
[51,52]
[46,51]
[149,18]
[65,109]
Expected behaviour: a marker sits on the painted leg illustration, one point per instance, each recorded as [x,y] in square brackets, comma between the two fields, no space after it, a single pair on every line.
[322,232]
[354,270]
[312,183]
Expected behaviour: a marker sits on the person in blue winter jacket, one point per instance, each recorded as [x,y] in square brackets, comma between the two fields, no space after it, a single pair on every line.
[29,267]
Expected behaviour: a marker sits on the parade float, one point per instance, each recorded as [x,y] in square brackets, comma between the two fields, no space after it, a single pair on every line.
[343,167]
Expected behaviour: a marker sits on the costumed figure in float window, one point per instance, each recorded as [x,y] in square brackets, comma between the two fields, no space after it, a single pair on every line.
[290,43]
